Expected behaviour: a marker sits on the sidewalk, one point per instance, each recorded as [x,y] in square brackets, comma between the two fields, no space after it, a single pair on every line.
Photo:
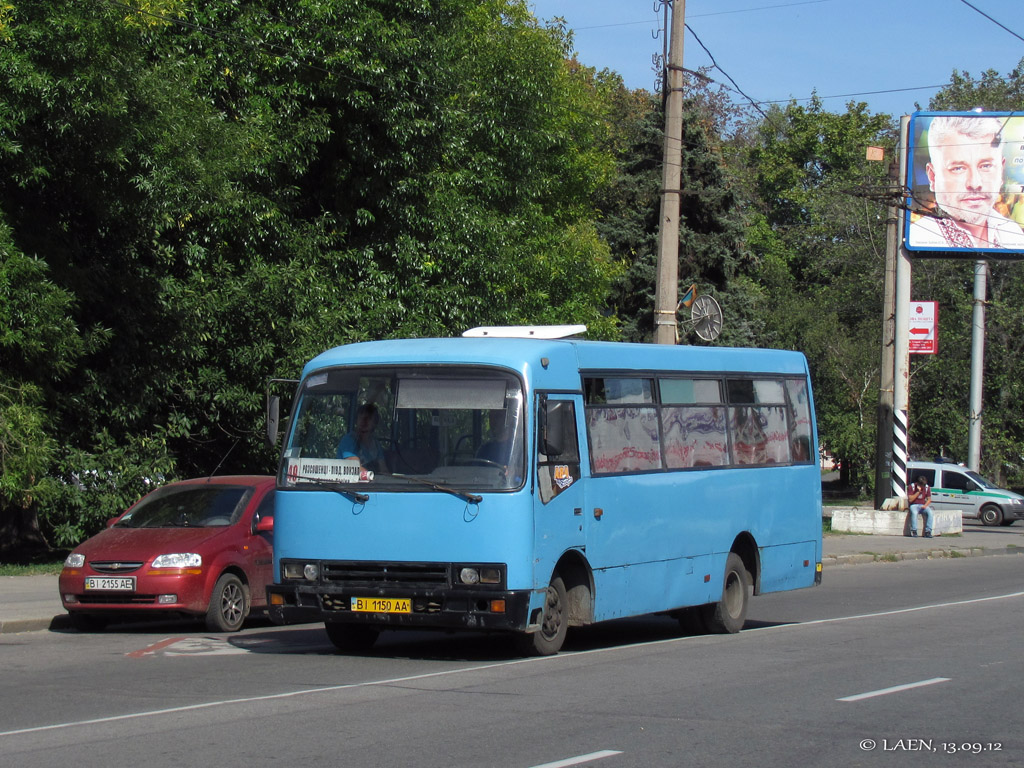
[32,603]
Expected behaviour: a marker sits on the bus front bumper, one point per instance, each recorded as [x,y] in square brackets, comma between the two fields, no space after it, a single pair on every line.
[443,609]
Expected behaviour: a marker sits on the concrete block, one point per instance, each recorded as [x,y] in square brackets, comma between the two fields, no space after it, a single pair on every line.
[892,522]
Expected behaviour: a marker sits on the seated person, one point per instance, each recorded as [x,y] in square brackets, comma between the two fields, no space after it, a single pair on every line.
[497,447]
[360,442]
[920,497]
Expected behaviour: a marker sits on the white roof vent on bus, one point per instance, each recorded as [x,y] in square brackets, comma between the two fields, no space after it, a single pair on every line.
[525,331]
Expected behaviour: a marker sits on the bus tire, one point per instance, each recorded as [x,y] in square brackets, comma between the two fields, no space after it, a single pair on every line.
[351,638]
[730,613]
[991,515]
[229,605]
[554,623]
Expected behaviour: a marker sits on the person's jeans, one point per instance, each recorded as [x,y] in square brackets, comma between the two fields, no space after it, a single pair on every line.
[929,517]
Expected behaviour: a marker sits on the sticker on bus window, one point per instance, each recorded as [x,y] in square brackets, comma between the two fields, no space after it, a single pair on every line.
[562,477]
[336,470]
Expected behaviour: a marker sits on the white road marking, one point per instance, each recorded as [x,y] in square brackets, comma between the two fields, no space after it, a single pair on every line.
[580,759]
[496,665]
[894,689]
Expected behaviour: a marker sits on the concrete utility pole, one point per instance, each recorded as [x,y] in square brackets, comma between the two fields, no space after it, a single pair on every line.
[977,364]
[883,437]
[667,295]
[901,368]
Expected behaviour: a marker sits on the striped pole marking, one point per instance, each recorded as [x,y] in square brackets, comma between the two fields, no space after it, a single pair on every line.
[899,453]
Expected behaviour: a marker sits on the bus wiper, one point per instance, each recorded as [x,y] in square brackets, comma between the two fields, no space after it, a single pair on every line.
[472,498]
[351,495]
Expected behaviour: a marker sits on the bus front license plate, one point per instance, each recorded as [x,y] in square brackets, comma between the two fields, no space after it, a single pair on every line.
[382,605]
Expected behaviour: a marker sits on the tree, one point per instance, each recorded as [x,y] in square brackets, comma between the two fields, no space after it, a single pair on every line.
[821,250]
[222,190]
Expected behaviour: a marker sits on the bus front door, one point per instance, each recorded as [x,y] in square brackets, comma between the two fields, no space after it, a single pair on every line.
[560,501]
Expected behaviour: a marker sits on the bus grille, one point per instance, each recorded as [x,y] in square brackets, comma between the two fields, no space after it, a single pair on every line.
[383,574]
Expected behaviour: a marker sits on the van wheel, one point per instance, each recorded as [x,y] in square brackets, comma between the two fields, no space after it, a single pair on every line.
[729,614]
[554,623]
[991,515]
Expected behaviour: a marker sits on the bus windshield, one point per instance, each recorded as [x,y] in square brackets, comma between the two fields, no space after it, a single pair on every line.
[408,428]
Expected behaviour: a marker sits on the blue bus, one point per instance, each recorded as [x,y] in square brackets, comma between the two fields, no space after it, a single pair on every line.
[525,480]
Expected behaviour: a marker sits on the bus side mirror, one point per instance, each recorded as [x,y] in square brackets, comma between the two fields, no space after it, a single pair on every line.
[552,433]
[273,419]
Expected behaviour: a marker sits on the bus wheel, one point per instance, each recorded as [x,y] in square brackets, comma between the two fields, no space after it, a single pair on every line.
[351,638]
[991,515]
[730,613]
[553,623]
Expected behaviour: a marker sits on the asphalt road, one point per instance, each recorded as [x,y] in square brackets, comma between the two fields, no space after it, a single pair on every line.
[887,664]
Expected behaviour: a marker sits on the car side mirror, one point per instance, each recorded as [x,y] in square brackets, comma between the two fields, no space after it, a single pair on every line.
[264,525]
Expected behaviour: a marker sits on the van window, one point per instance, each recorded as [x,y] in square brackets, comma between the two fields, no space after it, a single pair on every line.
[957,481]
[927,474]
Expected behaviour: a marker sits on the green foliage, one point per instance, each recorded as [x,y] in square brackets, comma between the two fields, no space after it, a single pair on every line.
[215,201]
[821,250]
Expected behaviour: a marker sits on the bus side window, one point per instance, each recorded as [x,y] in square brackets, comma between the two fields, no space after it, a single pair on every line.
[560,468]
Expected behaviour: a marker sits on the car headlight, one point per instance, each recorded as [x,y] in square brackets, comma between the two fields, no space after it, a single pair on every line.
[179,560]
[74,560]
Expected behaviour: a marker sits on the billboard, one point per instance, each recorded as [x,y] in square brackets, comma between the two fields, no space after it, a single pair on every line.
[965,178]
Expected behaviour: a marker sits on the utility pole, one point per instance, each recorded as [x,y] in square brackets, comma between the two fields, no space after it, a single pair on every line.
[667,293]
[883,436]
[901,367]
[977,364]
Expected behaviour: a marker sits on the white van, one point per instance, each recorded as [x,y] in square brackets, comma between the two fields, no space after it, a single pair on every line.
[957,487]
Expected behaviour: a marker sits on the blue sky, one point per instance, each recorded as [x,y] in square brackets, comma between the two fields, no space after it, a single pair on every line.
[783,49]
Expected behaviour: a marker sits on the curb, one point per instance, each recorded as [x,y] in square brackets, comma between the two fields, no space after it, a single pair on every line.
[892,557]
[12,626]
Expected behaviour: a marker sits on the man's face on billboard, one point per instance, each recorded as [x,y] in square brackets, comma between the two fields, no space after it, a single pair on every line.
[966,175]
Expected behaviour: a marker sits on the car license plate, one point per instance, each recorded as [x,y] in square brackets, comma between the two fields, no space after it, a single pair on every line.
[104,583]
[382,604]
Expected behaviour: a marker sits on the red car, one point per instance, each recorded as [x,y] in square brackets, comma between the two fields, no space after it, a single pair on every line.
[196,548]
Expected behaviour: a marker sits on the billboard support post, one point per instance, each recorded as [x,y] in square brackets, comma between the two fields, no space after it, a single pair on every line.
[901,350]
[883,439]
[977,364]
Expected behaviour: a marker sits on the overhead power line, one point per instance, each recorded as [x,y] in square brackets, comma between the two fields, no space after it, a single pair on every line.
[997,23]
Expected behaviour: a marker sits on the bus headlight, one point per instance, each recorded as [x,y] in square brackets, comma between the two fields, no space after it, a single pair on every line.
[296,571]
[479,574]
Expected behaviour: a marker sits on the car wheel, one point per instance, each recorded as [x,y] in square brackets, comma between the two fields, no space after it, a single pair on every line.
[991,515]
[229,605]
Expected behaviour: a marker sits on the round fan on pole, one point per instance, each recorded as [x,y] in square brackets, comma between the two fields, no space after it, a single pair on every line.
[706,317]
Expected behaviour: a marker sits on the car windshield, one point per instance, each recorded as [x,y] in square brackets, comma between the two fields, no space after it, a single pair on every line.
[407,428]
[187,506]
